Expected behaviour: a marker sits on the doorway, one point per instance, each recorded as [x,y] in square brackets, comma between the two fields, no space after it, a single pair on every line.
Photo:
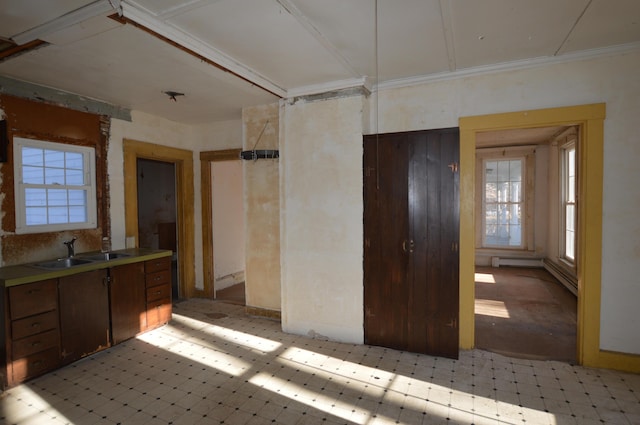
[223,225]
[157,211]
[590,121]
[183,161]
[411,222]
[522,233]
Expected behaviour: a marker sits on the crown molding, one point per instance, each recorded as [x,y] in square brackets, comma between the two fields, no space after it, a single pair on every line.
[509,66]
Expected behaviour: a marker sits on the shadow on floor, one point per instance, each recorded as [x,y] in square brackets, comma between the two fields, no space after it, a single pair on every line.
[525,313]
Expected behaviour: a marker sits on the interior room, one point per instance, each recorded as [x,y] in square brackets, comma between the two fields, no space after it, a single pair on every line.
[526,281]
[333,219]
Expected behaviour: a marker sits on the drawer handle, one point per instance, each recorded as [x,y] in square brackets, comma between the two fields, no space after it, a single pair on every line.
[36,344]
[37,363]
[157,278]
[35,325]
[158,292]
[32,291]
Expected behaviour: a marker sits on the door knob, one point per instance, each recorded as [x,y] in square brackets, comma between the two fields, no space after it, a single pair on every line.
[408,245]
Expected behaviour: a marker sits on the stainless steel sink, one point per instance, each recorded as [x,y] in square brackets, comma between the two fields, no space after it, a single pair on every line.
[62,263]
[106,256]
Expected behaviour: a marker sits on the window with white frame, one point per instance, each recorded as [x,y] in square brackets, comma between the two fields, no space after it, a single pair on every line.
[568,181]
[503,203]
[55,186]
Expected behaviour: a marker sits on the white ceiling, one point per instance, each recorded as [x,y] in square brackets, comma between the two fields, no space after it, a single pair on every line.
[283,48]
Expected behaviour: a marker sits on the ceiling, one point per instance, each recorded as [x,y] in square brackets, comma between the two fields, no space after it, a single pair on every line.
[228,54]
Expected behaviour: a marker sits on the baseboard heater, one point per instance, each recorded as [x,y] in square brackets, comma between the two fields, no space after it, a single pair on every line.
[569,281]
[516,262]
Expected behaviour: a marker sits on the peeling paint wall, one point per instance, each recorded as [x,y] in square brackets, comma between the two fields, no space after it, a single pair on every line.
[42,121]
[262,209]
[321,162]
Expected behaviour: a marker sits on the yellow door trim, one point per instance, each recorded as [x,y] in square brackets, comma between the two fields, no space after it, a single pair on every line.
[183,160]
[590,119]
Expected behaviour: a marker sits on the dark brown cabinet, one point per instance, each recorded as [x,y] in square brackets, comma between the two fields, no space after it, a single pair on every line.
[84,314]
[51,323]
[32,342]
[127,291]
[158,291]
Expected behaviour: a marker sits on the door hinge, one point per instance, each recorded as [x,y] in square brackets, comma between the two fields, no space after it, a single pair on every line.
[367,243]
[454,247]
[452,324]
[454,167]
[369,170]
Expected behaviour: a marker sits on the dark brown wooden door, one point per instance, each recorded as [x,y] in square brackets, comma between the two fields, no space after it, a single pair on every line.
[128,301]
[84,314]
[411,222]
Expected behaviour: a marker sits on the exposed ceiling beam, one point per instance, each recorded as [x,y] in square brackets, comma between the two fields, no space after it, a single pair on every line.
[192,45]
[77,16]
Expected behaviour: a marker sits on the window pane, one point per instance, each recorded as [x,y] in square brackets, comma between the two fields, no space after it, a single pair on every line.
[54,176]
[503,192]
[491,192]
[58,215]
[77,214]
[32,156]
[35,216]
[57,197]
[32,175]
[53,159]
[75,177]
[515,194]
[570,218]
[503,171]
[35,197]
[78,197]
[515,170]
[74,161]
[491,171]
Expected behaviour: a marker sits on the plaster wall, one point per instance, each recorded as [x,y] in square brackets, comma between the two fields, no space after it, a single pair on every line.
[260,126]
[612,80]
[321,166]
[322,184]
[228,223]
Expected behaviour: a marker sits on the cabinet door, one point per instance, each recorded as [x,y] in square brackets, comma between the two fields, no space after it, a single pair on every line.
[84,314]
[128,309]
[411,221]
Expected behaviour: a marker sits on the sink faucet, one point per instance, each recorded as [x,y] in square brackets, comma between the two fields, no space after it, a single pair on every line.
[70,247]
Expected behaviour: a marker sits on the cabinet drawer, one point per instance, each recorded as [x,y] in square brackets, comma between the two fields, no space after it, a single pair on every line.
[158,293]
[33,298]
[36,343]
[158,278]
[158,312]
[158,264]
[34,324]
[36,364]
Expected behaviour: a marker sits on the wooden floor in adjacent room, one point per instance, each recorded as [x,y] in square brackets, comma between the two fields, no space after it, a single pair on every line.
[526,313]
[233,294]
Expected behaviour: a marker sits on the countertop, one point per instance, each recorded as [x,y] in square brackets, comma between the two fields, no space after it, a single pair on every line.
[27,273]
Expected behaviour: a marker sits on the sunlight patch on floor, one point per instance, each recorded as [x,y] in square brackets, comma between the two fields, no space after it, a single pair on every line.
[492,308]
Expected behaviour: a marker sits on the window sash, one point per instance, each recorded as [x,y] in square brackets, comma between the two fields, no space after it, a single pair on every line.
[503,203]
[55,186]
[568,201]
